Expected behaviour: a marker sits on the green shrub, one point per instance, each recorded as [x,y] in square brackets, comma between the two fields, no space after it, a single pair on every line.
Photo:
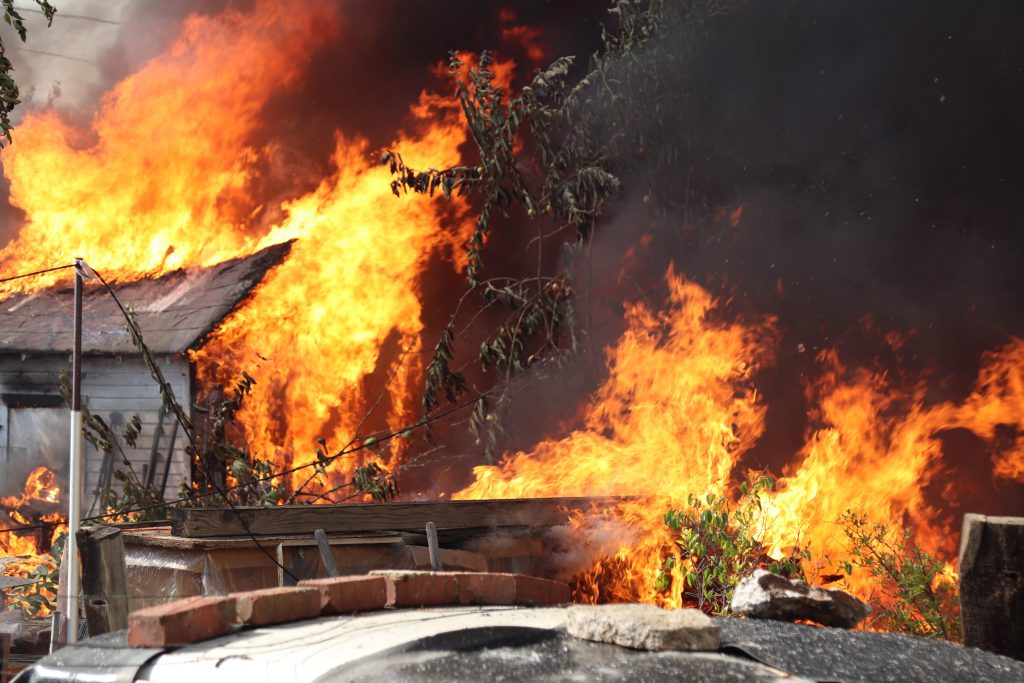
[914,595]
[719,543]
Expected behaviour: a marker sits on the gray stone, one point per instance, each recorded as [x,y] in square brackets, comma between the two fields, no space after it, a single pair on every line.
[764,595]
[644,627]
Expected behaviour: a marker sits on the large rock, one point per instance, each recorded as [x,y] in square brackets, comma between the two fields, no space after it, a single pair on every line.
[644,627]
[992,583]
[764,595]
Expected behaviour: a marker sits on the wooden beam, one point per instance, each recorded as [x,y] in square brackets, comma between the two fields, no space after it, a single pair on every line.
[368,517]
[103,579]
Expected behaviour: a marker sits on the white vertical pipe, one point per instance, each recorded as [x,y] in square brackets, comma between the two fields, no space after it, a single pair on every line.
[74,523]
[75,475]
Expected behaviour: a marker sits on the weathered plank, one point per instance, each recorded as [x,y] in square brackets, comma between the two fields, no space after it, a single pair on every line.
[368,517]
[326,554]
[992,583]
[435,558]
[104,586]
[161,538]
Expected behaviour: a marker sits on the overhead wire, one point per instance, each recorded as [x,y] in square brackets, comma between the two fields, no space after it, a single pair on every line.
[380,437]
[53,54]
[65,15]
[38,272]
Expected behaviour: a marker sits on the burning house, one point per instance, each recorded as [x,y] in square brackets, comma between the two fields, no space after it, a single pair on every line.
[174,311]
[743,263]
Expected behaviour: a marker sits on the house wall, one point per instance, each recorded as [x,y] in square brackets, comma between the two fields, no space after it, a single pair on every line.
[113,388]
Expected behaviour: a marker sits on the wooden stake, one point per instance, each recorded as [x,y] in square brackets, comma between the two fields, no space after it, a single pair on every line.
[104,586]
[435,555]
[5,656]
[326,554]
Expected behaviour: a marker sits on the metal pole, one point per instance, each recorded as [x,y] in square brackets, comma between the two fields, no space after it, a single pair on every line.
[75,478]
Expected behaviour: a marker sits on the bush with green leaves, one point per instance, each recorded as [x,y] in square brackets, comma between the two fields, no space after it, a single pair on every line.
[914,593]
[720,542]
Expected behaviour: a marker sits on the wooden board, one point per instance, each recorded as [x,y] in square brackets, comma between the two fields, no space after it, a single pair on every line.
[370,517]
[163,539]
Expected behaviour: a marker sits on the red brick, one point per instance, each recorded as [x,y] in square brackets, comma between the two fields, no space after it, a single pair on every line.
[420,589]
[277,605]
[345,594]
[188,620]
[485,589]
[536,592]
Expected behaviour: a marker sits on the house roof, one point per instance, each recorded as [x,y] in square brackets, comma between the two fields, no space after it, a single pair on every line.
[174,311]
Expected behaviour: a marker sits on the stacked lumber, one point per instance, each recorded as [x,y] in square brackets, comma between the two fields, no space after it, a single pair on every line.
[448,516]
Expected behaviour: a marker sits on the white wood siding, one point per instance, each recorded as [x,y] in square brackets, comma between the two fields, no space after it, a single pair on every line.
[113,388]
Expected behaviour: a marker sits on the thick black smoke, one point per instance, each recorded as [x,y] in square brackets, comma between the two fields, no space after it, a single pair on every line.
[875,149]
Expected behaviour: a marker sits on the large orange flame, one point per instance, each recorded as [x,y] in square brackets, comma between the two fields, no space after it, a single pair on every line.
[675,414]
[349,285]
[163,178]
[678,411]
[160,178]
[35,507]
[167,176]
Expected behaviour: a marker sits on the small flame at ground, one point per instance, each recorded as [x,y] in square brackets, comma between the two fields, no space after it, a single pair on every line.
[35,506]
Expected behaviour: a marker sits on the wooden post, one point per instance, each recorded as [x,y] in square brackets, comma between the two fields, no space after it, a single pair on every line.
[326,554]
[103,579]
[5,655]
[992,583]
[432,546]
[279,554]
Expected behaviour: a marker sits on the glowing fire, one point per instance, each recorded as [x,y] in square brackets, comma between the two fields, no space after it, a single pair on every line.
[678,411]
[164,178]
[41,495]
[160,178]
